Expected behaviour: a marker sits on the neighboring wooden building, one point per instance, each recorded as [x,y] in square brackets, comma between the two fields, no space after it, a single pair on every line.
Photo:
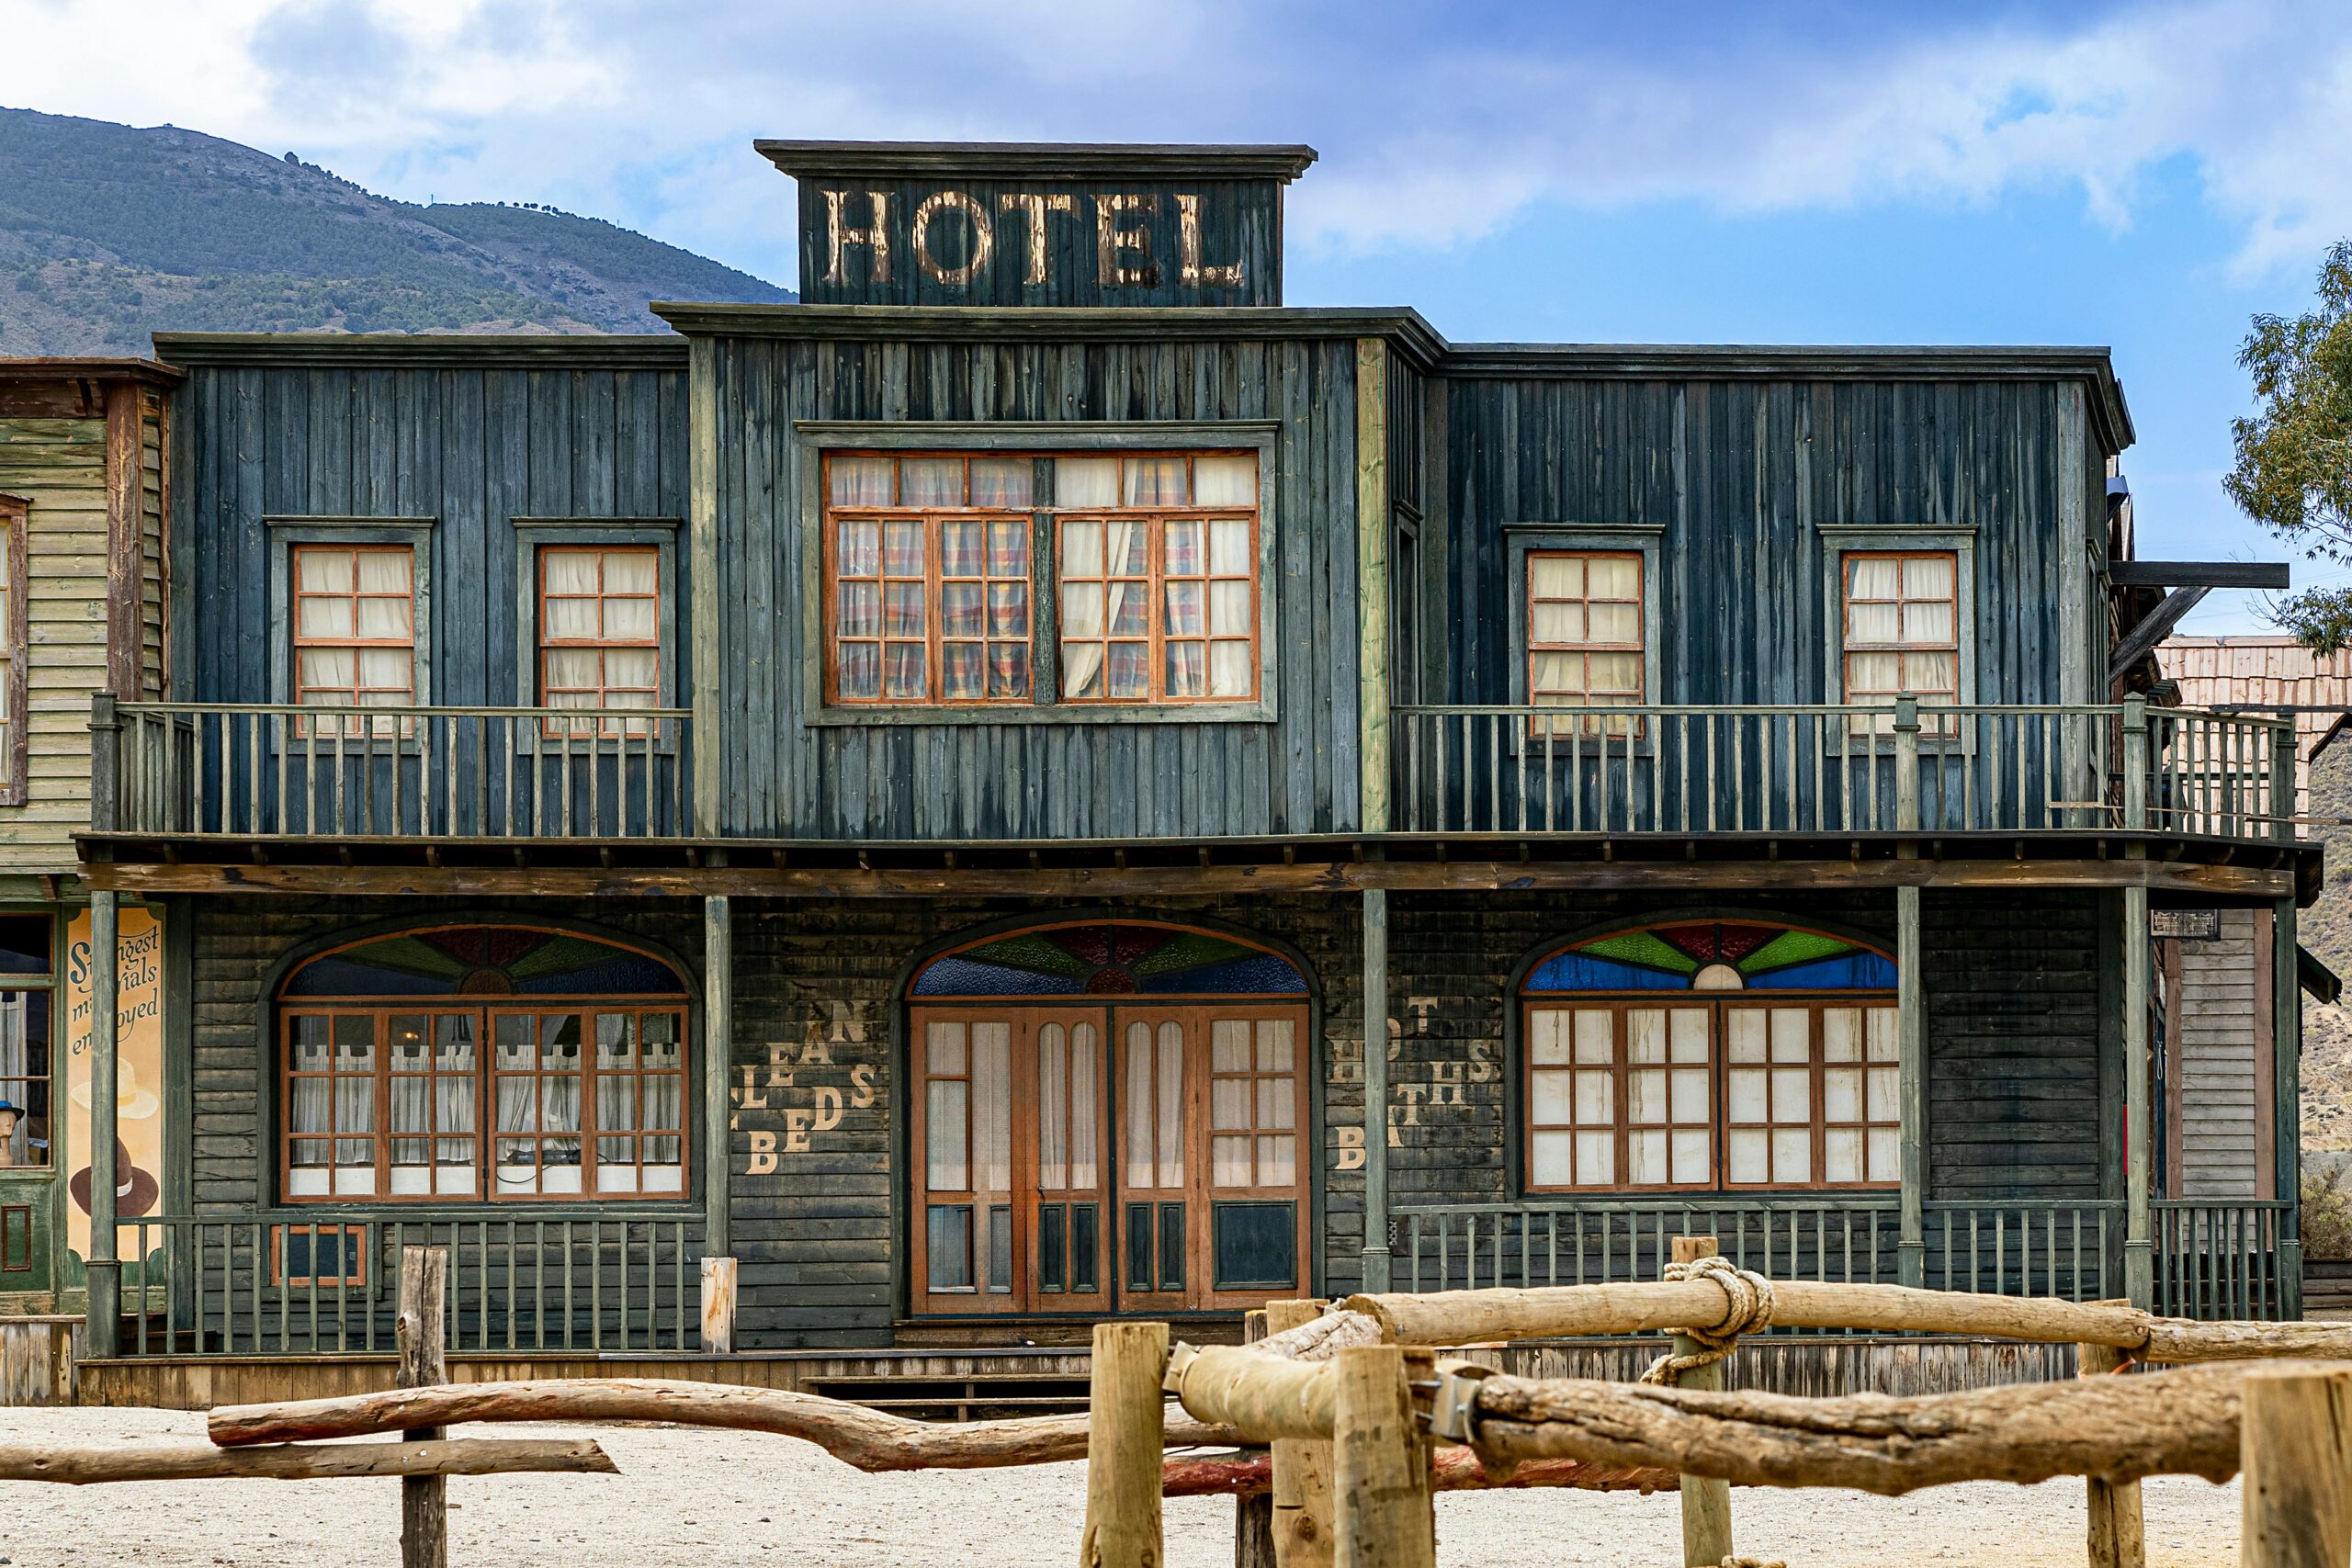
[920,795]
[82,591]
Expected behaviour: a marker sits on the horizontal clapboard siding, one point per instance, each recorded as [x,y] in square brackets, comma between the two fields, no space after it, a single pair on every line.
[1298,774]
[2218,1095]
[1739,473]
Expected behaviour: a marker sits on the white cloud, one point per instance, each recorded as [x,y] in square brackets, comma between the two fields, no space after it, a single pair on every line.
[1437,127]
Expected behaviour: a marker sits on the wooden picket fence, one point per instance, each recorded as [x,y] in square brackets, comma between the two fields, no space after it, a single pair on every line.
[1346,1420]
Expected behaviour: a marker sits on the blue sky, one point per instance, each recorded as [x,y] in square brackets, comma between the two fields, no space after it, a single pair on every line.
[2139,175]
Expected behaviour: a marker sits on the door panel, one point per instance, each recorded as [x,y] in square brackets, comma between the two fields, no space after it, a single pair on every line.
[1085,1159]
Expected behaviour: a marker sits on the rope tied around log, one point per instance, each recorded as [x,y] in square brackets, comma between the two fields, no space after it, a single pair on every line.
[1748,1299]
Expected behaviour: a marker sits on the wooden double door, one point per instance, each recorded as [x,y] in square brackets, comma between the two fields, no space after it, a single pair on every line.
[1094,1159]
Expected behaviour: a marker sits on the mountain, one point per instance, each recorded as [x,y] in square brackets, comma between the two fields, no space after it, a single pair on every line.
[110,232]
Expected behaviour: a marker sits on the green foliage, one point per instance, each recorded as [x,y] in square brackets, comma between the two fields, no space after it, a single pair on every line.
[2294,456]
[2327,1217]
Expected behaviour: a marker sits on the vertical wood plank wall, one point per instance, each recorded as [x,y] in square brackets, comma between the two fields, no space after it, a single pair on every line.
[1740,473]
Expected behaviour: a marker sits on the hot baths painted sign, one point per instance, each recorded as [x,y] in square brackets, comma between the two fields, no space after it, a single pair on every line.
[139,1072]
[886,223]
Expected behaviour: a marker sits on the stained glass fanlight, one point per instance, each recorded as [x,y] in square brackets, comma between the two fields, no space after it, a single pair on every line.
[1114,959]
[1714,955]
[483,961]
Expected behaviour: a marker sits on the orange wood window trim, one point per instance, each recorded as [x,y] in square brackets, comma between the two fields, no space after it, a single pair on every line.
[603,642]
[1850,647]
[281,1236]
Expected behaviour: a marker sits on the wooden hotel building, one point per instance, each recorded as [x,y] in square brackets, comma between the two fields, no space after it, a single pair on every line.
[1043,782]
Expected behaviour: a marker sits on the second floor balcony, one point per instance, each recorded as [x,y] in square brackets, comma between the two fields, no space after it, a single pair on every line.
[1460,779]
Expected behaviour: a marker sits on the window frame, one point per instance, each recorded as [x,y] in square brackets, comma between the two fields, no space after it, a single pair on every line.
[15,517]
[45,985]
[1840,540]
[816,439]
[532,534]
[289,534]
[1522,541]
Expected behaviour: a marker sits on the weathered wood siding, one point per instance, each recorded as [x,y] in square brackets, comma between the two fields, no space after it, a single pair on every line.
[471,447]
[2220,1098]
[59,465]
[1739,473]
[1111,779]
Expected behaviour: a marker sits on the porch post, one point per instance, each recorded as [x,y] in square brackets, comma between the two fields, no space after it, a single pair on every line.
[2287,1094]
[104,1270]
[719,1037]
[2139,1256]
[1911,1057]
[1376,1089]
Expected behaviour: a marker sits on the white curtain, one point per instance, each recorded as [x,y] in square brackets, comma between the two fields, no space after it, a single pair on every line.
[1089,615]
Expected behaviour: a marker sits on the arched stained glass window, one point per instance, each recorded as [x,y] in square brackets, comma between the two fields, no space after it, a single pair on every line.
[1709,1053]
[1114,958]
[1714,955]
[482,1062]
[483,961]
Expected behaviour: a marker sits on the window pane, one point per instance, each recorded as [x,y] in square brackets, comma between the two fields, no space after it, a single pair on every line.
[1750,1156]
[948,1167]
[1645,1097]
[1689,1034]
[1555,576]
[931,482]
[1792,1033]
[1841,1095]
[1229,1047]
[860,481]
[1645,1034]
[1230,669]
[1229,1103]
[1276,1045]
[1873,577]
[1225,480]
[1593,1036]
[1842,1155]
[1596,1158]
[322,617]
[1646,1159]
[323,570]
[1001,481]
[1791,1094]
[1928,577]
[1155,482]
[859,545]
[1549,1159]
[1086,481]
[1548,1100]
[1229,548]
[1793,1156]
[1690,1154]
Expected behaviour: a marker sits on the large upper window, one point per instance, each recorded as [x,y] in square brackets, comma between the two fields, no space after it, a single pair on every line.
[600,641]
[354,628]
[932,574]
[483,1063]
[1709,1053]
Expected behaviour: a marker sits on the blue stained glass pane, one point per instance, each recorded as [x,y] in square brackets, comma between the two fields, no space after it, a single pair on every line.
[1580,972]
[1854,972]
[1262,974]
[954,977]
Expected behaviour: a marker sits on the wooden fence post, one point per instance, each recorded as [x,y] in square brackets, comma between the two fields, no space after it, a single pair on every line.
[419,1332]
[2293,1451]
[1706,1502]
[1254,1513]
[1380,1463]
[2118,1537]
[719,1306]
[1302,1489]
[1125,1414]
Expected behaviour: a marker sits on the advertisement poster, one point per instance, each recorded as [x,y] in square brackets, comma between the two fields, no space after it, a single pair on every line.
[139,1074]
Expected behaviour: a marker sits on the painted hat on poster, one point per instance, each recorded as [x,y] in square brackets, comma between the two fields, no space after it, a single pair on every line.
[133,1100]
[135,1191]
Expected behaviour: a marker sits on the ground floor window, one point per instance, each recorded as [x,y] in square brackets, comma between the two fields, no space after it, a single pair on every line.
[475,1062]
[25,1059]
[1095,1126]
[1775,1066]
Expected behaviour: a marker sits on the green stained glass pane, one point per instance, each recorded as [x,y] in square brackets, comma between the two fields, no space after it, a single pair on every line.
[1642,948]
[408,955]
[1033,953]
[559,956]
[1188,950]
[1792,947]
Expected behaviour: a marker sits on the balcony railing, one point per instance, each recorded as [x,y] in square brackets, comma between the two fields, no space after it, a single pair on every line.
[1895,767]
[318,1283]
[262,771]
[2218,1259]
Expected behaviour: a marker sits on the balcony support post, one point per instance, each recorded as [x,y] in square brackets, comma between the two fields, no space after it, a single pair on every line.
[106,763]
[2287,1094]
[1376,1089]
[2139,1256]
[717,1044]
[103,1270]
[1911,1056]
[1906,765]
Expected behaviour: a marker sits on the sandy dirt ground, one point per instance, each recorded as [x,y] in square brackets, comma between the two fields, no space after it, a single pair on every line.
[708,1499]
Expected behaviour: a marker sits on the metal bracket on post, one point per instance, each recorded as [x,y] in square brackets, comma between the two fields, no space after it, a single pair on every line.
[1453,1402]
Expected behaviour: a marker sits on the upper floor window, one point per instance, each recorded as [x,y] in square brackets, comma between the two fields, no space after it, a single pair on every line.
[1584,634]
[12,650]
[354,628]
[600,633]
[931,568]
[1901,625]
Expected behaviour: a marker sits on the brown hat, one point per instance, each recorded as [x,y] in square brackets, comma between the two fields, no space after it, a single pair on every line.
[135,1191]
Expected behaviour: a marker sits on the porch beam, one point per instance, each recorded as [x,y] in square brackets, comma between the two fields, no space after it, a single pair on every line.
[1376,1089]
[2286,1103]
[2139,1259]
[2189,878]
[1911,1056]
[103,1271]
[718,1036]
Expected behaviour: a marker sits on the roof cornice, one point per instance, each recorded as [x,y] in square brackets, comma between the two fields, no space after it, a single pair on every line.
[69,367]
[1037,160]
[614,350]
